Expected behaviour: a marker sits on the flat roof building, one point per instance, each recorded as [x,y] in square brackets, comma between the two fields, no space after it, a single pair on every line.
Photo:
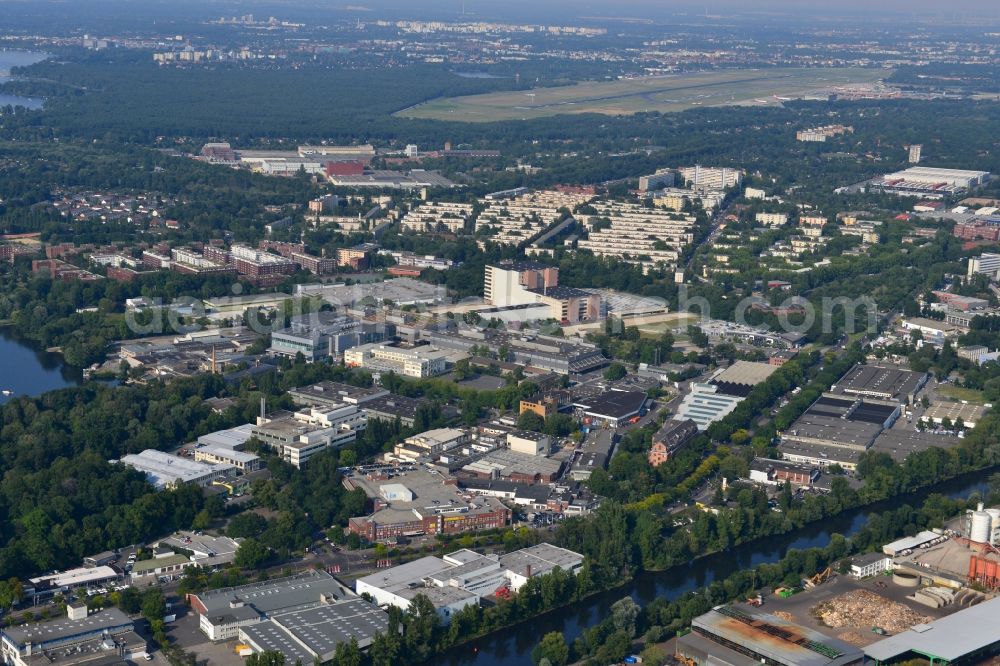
[166,471]
[613,408]
[463,577]
[746,637]
[331,394]
[967,636]
[880,382]
[98,639]
[428,502]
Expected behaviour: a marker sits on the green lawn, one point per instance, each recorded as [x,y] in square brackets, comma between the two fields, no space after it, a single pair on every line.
[971,396]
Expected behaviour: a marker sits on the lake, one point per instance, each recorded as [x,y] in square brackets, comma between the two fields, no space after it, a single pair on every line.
[9,59]
[26,371]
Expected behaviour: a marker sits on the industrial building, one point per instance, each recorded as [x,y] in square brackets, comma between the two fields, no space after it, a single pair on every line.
[304,617]
[93,639]
[45,587]
[956,413]
[965,637]
[836,429]
[164,470]
[748,637]
[333,394]
[612,409]
[711,401]
[464,577]
[929,182]
[881,383]
[507,464]
[410,501]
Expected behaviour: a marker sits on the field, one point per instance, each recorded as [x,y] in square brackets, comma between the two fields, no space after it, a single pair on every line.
[971,396]
[760,87]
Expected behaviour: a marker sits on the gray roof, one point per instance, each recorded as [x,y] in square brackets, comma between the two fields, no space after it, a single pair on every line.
[65,628]
[267,636]
[949,638]
[323,627]
[275,595]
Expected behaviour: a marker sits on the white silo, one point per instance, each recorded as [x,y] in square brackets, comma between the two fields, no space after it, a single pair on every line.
[995,527]
[980,529]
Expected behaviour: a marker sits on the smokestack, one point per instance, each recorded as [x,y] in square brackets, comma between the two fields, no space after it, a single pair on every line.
[263,409]
[527,572]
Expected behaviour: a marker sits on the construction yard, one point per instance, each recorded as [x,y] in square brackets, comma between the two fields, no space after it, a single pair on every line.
[849,609]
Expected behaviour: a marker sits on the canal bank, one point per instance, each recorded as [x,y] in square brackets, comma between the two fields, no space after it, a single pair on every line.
[513,645]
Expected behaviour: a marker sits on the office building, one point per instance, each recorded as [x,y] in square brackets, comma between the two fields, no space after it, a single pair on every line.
[530,443]
[914,153]
[221,455]
[777,472]
[298,436]
[987,264]
[325,335]
[526,282]
[464,577]
[429,444]
[745,636]
[870,564]
[418,362]
[164,470]
[333,394]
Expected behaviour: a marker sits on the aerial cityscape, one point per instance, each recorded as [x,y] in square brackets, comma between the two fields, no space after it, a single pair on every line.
[467,333]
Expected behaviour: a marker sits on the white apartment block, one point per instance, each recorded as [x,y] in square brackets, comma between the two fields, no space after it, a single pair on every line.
[712,178]
[812,221]
[436,216]
[526,215]
[637,235]
[772,219]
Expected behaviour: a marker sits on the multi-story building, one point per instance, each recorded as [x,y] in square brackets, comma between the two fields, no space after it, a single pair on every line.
[915,153]
[325,335]
[517,220]
[223,455]
[299,436]
[711,178]
[165,471]
[636,234]
[437,216]
[430,444]
[418,362]
[260,265]
[355,258]
[421,501]
[986,264]
[525,282]
[662,178]
[772,219]
[821,134]
[556,354]
[670,438]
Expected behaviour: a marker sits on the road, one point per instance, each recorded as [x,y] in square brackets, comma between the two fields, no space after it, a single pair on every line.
[712,234]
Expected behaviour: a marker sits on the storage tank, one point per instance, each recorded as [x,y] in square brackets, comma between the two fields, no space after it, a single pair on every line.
[980,530]
[995,527]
